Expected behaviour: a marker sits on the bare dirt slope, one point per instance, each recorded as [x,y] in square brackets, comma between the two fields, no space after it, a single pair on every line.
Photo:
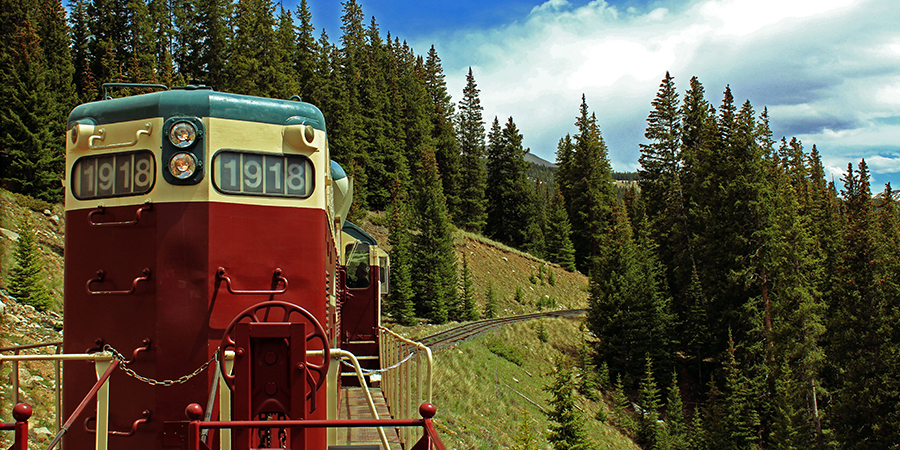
[506,270]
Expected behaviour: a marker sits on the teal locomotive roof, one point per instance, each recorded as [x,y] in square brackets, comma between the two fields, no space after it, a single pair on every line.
[199,103]
[358,233]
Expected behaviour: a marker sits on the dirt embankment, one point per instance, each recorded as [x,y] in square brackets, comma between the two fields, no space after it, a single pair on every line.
[505,271]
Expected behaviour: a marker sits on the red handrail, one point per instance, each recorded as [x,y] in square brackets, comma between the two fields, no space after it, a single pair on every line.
[429,441]
[21,412]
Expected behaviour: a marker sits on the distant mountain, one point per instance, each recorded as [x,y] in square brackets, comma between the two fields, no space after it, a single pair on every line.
[530,157]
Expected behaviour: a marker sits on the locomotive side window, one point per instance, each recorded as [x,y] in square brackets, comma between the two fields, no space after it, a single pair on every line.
[358,270]
[263,174]
[383,275]
[113,175]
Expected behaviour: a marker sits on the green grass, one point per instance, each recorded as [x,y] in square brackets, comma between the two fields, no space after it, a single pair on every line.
[482,396]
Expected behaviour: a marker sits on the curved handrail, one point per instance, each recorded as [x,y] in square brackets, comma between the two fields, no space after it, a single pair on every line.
[101,209]
[276,278]
[148,129]
[129,433]
[99,279]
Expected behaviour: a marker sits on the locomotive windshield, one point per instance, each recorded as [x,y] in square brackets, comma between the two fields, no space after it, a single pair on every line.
[358,269]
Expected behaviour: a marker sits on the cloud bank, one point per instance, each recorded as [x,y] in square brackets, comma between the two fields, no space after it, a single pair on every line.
[828,70]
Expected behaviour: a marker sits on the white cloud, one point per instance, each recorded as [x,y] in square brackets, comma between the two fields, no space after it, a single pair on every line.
[829,70]
[742,17]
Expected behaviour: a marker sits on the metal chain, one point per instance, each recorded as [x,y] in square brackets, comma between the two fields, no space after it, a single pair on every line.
[122,365]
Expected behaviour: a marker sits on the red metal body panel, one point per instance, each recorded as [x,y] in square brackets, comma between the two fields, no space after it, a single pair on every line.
[180,308]
[359,322]
[360,314]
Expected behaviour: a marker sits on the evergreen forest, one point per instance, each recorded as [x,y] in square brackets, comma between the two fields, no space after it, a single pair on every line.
[737,298]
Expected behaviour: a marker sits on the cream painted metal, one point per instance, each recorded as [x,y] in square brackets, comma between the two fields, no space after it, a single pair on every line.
[237,135]
[407,379]
[102,362]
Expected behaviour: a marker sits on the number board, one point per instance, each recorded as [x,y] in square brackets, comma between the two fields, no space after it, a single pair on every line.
[113,175]
[263,174]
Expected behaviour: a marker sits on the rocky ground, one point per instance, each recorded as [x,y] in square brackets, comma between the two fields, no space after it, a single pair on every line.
[24,326]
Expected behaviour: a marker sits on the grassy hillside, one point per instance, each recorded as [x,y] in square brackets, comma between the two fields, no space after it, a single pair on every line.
[487,387]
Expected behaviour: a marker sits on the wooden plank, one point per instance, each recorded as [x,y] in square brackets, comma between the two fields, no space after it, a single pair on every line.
[355,406]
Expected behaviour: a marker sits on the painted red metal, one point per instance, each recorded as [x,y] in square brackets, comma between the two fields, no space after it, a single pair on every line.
[182,309]
[429,440]
[21,413]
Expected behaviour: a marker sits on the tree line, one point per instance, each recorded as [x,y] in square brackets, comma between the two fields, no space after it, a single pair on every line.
[740,282]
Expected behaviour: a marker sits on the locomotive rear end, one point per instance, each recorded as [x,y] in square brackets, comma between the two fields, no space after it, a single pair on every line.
[185,208]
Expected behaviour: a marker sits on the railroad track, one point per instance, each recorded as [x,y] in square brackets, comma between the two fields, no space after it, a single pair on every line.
[446,338]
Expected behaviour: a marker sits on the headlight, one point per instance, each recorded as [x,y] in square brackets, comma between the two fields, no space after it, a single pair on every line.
[182,165]
[182,134]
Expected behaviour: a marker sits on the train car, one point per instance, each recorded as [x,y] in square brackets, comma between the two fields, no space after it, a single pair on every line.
[202,250]
[368,269]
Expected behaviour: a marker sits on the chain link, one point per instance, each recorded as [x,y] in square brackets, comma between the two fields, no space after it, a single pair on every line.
[122,365]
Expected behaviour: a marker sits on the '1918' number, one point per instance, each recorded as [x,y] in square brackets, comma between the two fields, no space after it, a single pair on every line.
[258,174]
[113,175]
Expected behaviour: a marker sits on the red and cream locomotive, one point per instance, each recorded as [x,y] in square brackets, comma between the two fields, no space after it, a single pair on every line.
[204,249]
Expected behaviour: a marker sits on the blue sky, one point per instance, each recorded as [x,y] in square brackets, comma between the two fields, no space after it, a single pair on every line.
[828,70]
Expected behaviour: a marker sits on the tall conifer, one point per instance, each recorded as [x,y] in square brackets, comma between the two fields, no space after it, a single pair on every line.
[446,148]
[511,212]
[470,136]
[592,197]
[434,259]
[399,304]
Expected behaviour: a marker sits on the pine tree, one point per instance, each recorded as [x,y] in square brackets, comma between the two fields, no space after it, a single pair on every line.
[491,306]
[399,304]
[863,338]
[305,52]
[560,249]
[567,432]
[434,261]
[213,22]
[31,156]
[140,59]
[740,418]
[26,279]
[627,305]
[565,176]
[82,76]
[511,212]
[677,433]
[285,80]
[621,404]
[469,308]
[470,135]
[592,197]
[527,438]
[252,66]
[793,310]
[660,158]
[445,143]
[108,25]
[649,431]
[60,72]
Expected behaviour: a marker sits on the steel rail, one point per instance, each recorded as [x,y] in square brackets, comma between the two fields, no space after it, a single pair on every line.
[440,341]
